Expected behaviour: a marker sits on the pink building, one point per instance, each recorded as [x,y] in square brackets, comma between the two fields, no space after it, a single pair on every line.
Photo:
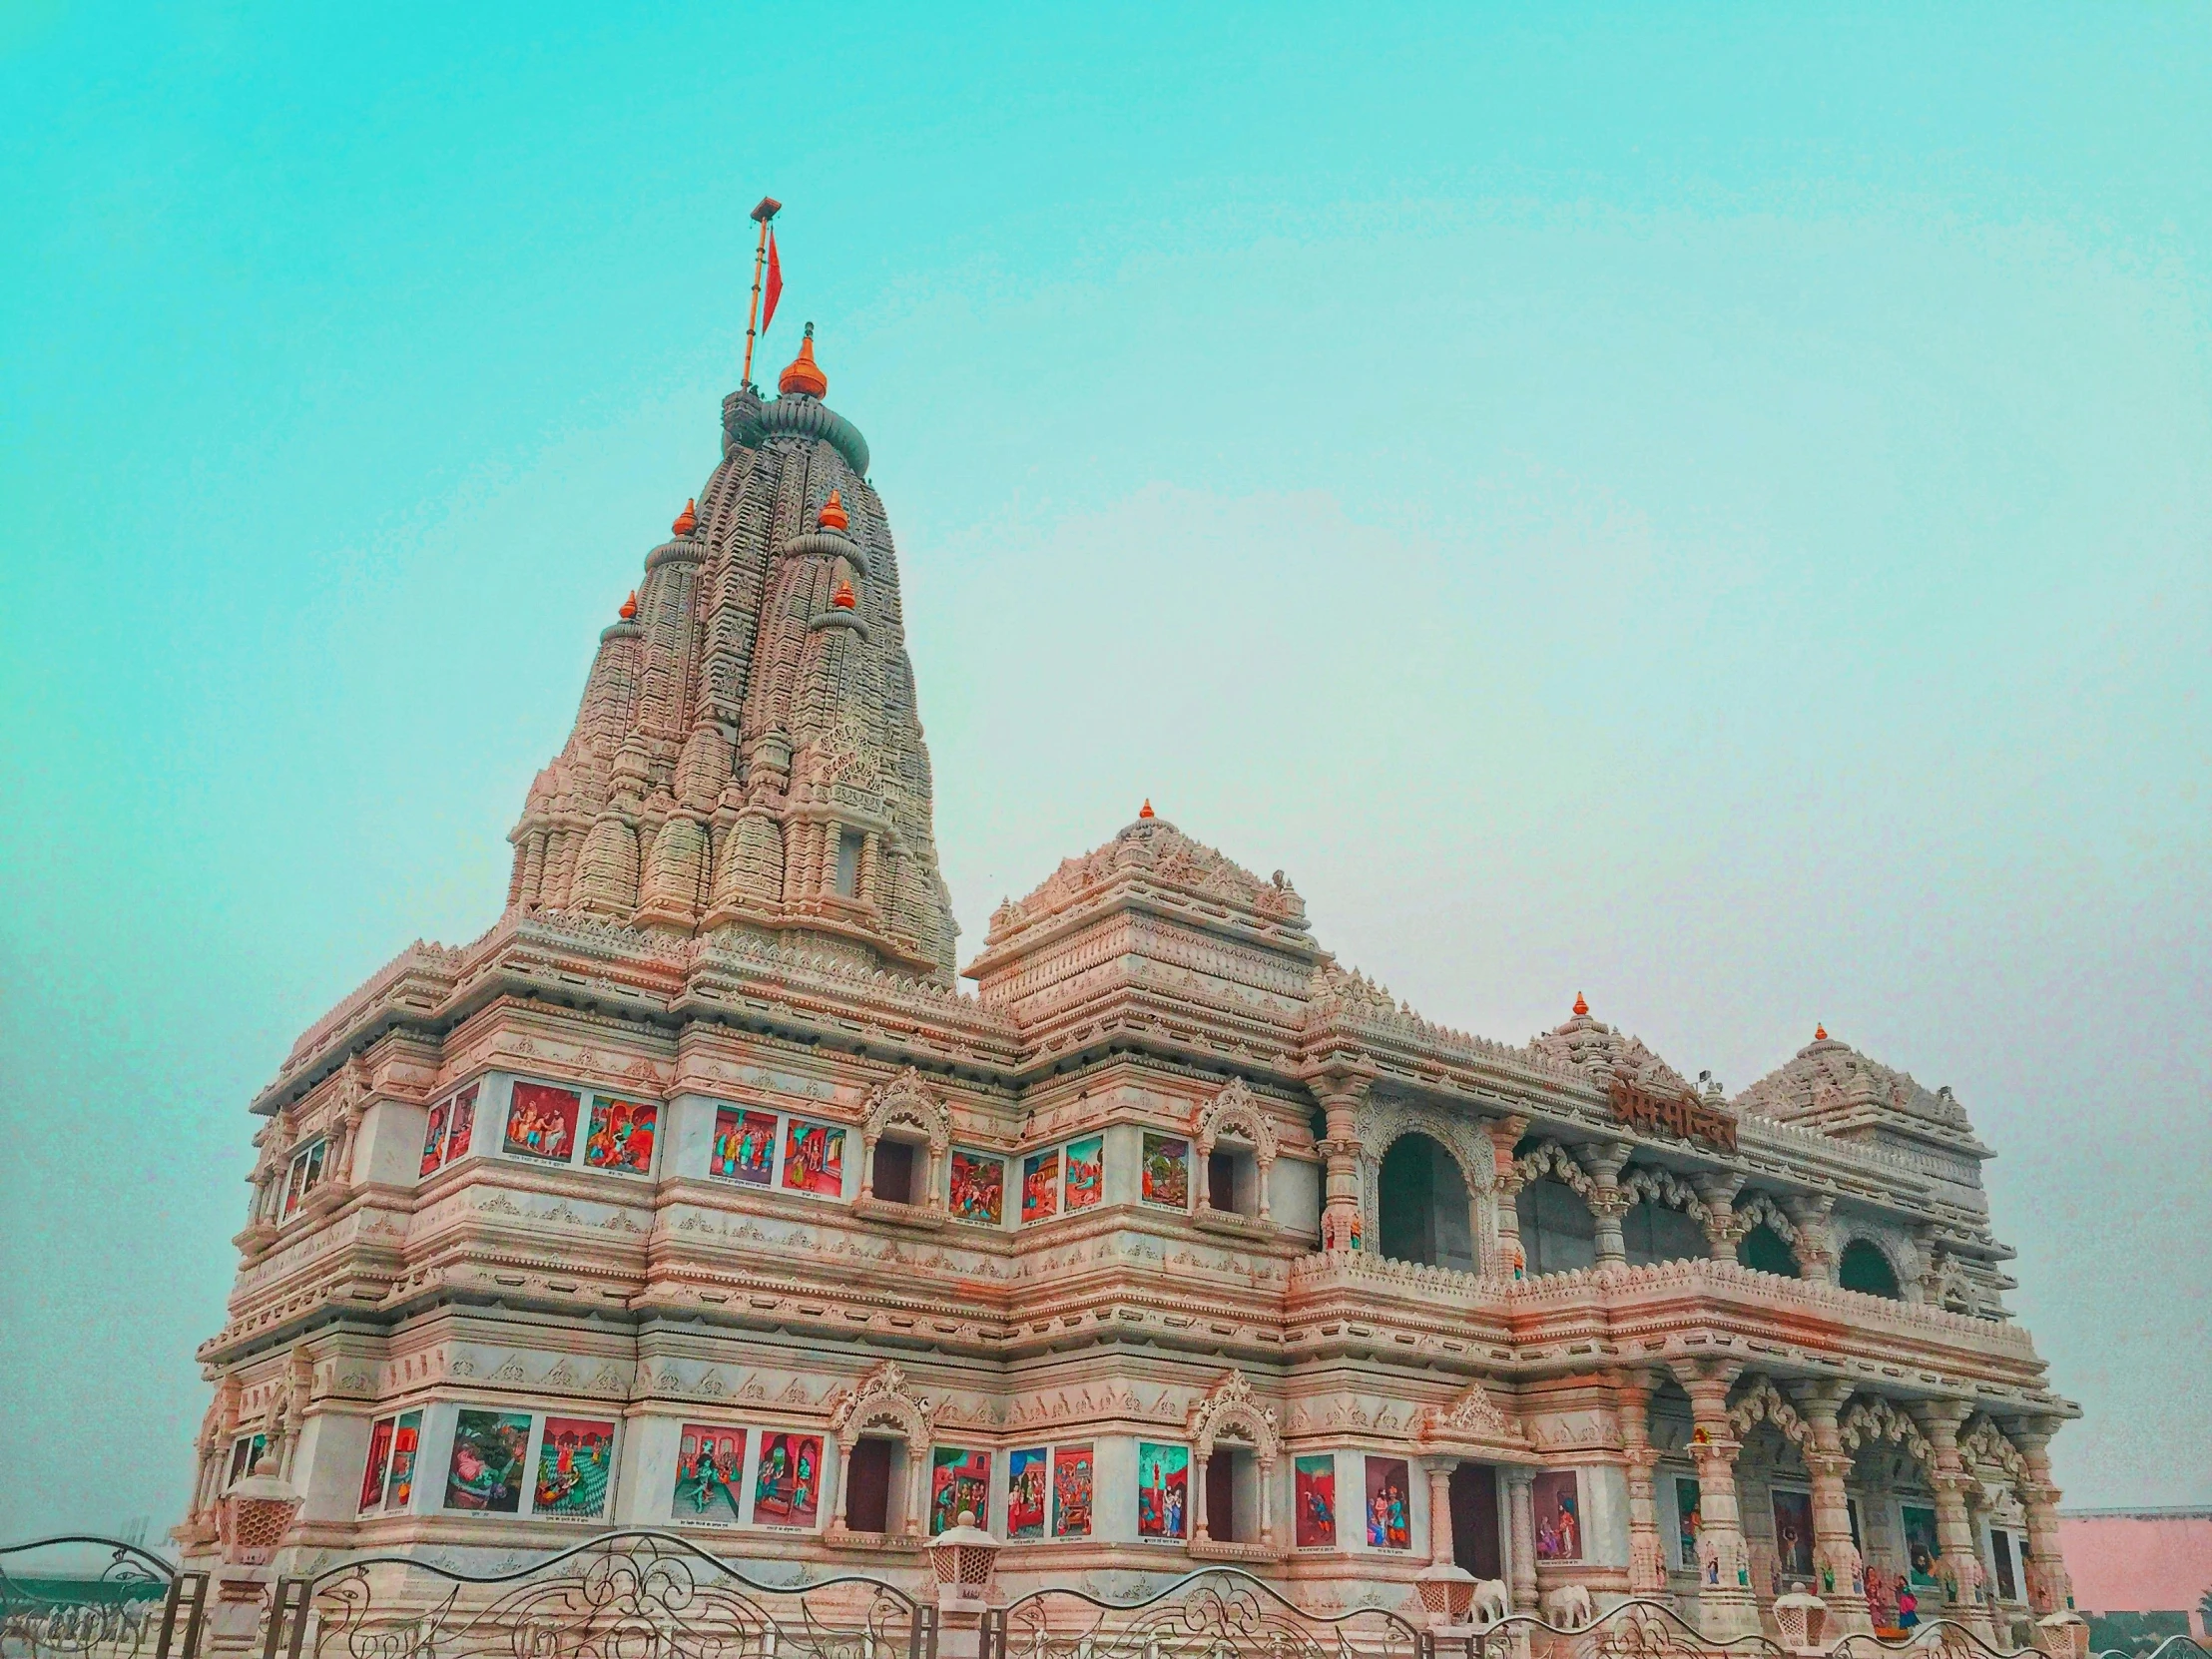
[2141,1561]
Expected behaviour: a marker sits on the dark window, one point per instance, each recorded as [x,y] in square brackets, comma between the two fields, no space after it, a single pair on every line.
[894,1170]
[1764,1251]
[868,1489]
[1863,1268]
[1221,1180]
[1421,1204]
[1557,1229]
[849,863]
[2001,1544]
[1475,1530]
[1660,1232]
[1221,1497]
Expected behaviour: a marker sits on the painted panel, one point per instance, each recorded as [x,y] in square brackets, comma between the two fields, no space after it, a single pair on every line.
[1313,1484]
[1073,1476]
[574,1460]
[486,1471]
[1389,1488]
[541,1122]
[710,1463]
[1040,1186]
[958,1481]
[1558,1516]
[1162,1489]
[979,1190]
[813,1157]
[1026,1477]
[1167,1171]
[622,1134]
[406,1440]
[787,1489]
[1086,1172]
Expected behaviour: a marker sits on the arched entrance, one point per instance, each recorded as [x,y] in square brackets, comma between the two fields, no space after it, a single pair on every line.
[1863,1267]
[1422,1206]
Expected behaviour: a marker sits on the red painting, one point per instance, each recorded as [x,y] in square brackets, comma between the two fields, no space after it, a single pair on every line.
[379,1462]
[787,1490]
[1041,1185]
[541,1123]
[1558,1516]
[433,1139]
[622,1134]
[461,1129]
[1316,1491]
[813,1157]
[1071,1492]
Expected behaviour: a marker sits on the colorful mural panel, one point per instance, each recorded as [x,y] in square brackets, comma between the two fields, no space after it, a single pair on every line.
[787,1490]
[1313,1485]
[1687,1519]
[1086,1173]
[744,1145]
[1040,1186]
[1162,1489]
[486,1471]
[460,1132]
[1026,1496]
[979,1190]
[1071,1492]
[622,1134]
[1922,1550]
[1793,1536]
[406,1440]
[813,1157]
[959,1482]
[1167,1171]
[574,1460]
[541,1122]
[378,1465]
[1390,1503]
[1558,1516]
[708,1464]
[433,1136]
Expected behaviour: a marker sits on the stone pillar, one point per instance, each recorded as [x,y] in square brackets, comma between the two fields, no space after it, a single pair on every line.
[1607,1203]
[2050,1589]
[1200,1459]
[1840,1575]
[1506,1134]
[934,1191]
[1960,1566]
[1726,1605]
[1816,1247]
[1440,1510]
[1647,1568]
[1719,1190]
[1521,1495]
[1340,1097]
[918,1490]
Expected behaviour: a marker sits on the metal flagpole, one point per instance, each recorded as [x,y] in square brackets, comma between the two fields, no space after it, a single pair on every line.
[767,211]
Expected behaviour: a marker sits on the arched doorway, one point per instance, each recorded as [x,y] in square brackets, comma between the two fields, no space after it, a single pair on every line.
[1557,1229]
[1863,1267]
[1422,1206]
[1763,1249]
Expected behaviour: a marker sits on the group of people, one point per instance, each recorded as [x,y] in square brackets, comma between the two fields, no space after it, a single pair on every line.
[1389,1524]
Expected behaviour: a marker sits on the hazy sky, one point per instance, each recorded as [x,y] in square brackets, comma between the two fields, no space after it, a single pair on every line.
[1707,507]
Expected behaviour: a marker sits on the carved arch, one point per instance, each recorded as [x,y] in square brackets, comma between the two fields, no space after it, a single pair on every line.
[1873,1421]
[1761,1400]
[904,1100]
[1238,1110]
[1384,1123]
[1986,1443]
[1757,1209]
[1903,1261]
[883,1397]
[1232,1409]
[1551,1159]
[1657,1186]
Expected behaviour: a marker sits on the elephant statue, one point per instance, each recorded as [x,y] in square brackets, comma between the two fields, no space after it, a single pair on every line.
[1491,1603]
[1567,1607]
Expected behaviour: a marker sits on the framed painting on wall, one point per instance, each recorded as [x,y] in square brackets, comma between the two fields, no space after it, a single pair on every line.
[486,1471]
[1071,1492]
[1167,1171]
[622,1134]
[1793,1534]
[1390,1503]
[744,1145]
[1162,1489]
[541,1122]
[959,1482]
[1314,1488]
[406,1440]
[978,1188]
[380,1463]
[787,1490]
[1026,1496]
[1041,1185]
[1558,1516]
[708,1464]
[433,1136]
[1687,1519]
[460,1128]
[1086,1167]
[1922,1548]
[574,1459]
[813,1157]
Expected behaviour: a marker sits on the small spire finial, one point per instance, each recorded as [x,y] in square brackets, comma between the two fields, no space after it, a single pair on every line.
[843,598]
[629,611]
[1581,1007]
[805,374]
[1820,1032]
[1146,810]
[688,520]
[833,515]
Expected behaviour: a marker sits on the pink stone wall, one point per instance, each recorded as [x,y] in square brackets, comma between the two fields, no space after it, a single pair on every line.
[2149,1562]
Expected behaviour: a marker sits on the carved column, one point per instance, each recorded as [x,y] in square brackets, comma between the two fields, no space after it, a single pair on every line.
[1607,1203]
[1725,1604]
[1201,1458]
[1506,1134]
[1719,1190]
[1842,1575]
[1647,1568]
[1816,1247]
[1520,1493]
[1960,1566]
[2050,1589]
[1340,1097]
[1440,1510]
[918,1490]
[1267,1502]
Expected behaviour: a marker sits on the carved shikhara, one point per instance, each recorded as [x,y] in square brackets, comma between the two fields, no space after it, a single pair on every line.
[725,892]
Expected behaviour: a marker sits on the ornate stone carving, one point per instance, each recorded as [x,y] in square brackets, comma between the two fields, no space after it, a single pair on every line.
[1474,1418]
[1232,1409]
[1237,1111]
[882,1397]
[905,1100]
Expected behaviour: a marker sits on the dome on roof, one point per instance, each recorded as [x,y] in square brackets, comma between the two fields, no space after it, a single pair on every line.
[1828,1077]
[805,375]
[1603,1052]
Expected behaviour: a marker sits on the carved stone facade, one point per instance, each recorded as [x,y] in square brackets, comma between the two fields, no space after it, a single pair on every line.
[693,1194]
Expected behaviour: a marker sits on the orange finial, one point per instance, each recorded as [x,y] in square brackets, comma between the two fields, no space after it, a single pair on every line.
[1146,810]
[688,520]
[1580,1008]
[1820,1033]
[843,598]
[629,611]
[833,514]
[803,375]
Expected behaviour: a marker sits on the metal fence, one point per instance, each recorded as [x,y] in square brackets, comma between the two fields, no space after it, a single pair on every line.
[81,1597]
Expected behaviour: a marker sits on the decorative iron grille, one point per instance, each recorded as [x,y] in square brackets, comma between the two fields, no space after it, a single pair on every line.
[131,1605]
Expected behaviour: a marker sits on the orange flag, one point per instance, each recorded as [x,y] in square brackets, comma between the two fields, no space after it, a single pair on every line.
[775,289]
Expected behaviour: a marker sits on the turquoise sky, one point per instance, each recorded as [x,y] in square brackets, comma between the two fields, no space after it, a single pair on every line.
[1702,507]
